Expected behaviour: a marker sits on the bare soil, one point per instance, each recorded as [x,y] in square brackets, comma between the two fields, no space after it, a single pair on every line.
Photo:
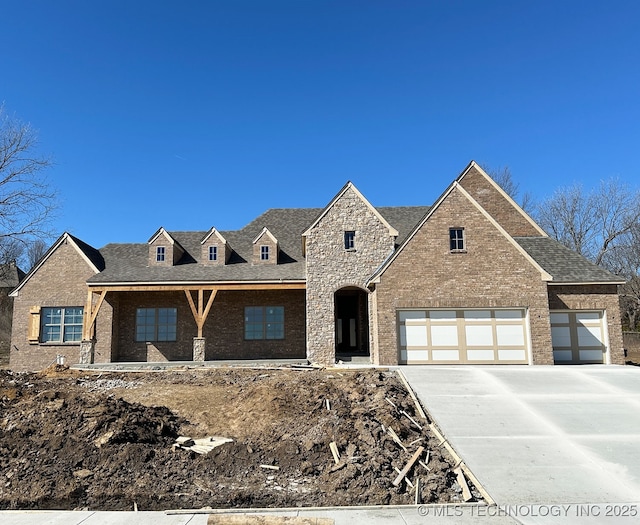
[103,441]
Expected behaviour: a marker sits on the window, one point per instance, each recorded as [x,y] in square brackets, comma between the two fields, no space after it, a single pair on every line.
[350,240]
[456,240]
[264,253]
[160,252]
[62,325]
[156,324]
[213,253]
[263,322]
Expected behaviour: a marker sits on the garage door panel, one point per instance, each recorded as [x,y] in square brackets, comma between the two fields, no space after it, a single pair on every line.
[444,335]
[591,355]
[445,355]
[578,337]
[589,336]
[562,356]
[510,335]
[512,355]
[481,355]
[463,336]
[481,335]
[416,336]
[561,336]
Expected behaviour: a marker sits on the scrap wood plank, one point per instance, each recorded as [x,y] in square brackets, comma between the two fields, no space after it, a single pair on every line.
[413,396]
[408,466]
[334,450]
[466,493]
[396,438]
[406,479]
[411,419]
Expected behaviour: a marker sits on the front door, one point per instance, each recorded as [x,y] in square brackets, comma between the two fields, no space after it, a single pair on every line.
[351,322]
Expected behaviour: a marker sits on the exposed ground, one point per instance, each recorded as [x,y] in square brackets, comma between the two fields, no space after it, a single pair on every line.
[104,441]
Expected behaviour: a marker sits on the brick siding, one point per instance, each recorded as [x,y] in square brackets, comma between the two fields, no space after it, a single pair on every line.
[493,273]
[223,330]
[59,282]
[498,207]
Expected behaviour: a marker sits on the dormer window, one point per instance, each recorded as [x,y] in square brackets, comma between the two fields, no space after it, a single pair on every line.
[264,253]
[456,240]
[213,253]
[350,240]
[160,253]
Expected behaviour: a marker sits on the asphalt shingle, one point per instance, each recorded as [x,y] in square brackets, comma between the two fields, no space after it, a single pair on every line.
[564,265]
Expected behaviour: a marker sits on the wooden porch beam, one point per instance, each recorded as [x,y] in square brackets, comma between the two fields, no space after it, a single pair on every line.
[204,287]
[200,311]
[91,314]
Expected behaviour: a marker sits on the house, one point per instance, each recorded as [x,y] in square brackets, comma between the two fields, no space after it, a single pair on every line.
[471,279]
[10,277]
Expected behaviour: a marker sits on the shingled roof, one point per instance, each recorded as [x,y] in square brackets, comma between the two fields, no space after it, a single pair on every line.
[563,264]
[129,263]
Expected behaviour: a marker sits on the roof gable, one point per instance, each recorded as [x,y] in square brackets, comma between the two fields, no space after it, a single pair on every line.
[265,232]
[456,186]
[88,253]
[350,186]
[213,233]
[497,202]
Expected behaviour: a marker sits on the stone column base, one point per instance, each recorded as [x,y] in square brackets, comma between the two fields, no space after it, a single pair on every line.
[87,349]
[198,348]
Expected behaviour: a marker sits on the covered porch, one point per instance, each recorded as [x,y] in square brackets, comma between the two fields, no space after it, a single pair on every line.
[194,322]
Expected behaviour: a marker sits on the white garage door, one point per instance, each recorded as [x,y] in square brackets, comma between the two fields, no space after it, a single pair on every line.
[463,336]
[578,337]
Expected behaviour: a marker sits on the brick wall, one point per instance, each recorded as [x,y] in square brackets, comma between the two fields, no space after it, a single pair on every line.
[497,206]
[594,297]
[223,330]
[60,281]
[491,274]
[330,267]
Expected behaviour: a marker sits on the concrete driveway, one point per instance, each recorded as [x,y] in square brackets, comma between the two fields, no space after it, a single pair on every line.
[540,434]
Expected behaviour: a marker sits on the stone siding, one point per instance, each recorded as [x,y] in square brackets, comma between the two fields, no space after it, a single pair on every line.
[492,273]
[594,297]
[331,267]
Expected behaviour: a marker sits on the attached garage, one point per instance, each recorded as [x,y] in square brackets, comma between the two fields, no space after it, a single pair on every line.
[480,336]
[578,337]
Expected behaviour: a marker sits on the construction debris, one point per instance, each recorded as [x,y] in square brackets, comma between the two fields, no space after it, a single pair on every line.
[408,466]
[200,446]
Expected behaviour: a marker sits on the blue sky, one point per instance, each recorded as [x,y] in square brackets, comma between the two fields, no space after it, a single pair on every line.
[191,114]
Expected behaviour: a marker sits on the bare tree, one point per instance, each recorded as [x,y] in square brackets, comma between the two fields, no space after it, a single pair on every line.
[595,223]
[604,226]
[35,251]
[625,261]
[27,201]
[503,178]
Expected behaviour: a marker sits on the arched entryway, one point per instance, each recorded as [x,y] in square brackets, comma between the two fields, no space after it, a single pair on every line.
[352,323]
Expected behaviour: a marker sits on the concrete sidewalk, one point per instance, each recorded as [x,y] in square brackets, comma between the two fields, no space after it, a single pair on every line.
[538,434]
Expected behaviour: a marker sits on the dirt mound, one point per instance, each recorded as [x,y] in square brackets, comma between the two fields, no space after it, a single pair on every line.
[71,440]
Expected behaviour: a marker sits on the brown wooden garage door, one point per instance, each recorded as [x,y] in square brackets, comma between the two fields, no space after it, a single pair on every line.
[478,336]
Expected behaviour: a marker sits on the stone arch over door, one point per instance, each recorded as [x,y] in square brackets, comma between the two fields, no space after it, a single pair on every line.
[351,314]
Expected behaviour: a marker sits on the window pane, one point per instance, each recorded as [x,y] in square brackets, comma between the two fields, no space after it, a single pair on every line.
[51,333]
[72,333]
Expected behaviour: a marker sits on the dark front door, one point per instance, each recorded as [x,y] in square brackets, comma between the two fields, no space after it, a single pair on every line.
[351,322]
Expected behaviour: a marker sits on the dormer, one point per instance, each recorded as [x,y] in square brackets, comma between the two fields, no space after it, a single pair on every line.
[215,249]
[164,250]
[265,248]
